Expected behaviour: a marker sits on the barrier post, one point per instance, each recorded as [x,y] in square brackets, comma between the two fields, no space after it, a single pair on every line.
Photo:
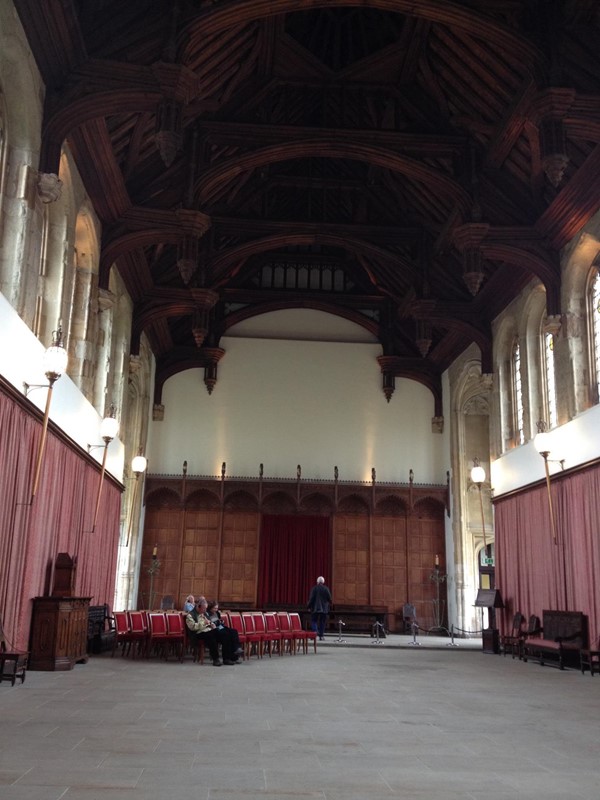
[452,643]
[414,642]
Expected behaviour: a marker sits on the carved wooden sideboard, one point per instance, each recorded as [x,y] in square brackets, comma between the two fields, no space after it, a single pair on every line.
[59,629]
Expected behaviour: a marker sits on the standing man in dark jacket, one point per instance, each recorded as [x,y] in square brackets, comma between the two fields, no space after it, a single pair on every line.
[318,605]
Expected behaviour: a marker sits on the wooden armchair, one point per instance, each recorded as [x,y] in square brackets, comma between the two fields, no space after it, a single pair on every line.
[512,642]
[13,663]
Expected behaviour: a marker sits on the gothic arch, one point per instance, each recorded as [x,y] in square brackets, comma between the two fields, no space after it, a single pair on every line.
[202,498]
[353,504]
[391,506]
[163,498]
[240,501]
[316,503]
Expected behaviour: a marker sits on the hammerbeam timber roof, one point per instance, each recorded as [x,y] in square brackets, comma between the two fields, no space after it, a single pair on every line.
[408,166]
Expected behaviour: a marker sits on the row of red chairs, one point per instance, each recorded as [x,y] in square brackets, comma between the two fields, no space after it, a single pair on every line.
[270,631]
[141,633]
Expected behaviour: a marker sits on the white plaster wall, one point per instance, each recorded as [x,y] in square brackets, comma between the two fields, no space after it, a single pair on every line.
[21,360]
[578,442]
[283,403]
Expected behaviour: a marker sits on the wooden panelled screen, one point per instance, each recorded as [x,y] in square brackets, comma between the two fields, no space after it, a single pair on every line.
[254,543]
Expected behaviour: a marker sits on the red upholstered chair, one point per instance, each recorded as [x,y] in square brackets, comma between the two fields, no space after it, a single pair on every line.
[287,634]
[300,635]
[159,636]
[122,632]
[138,631]
[236,621]
[260,627]
[176,633]
[274,635]
[225,618]
[255,639]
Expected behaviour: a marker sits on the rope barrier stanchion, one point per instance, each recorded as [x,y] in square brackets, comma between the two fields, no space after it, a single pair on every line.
[377,626]
[452,643]
[339,640]
[414,642]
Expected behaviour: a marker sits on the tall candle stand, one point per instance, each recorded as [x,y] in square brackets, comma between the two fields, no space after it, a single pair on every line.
[438,578]
[152,570]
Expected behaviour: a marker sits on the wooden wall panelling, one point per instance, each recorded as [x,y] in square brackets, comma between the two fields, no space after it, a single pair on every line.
[351,560]
[162,529]
[384,539]
[239,557]
[200,552]
[390,570]
[426,539]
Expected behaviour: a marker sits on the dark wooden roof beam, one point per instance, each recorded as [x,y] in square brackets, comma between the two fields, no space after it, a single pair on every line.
[435,146]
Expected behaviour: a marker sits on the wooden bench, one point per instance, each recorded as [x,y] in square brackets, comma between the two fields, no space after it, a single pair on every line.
[358,619]
[564,634]
[101,629]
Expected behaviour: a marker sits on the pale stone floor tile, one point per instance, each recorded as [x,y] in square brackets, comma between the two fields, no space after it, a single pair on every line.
[32,792]
[51,775]
[348,724]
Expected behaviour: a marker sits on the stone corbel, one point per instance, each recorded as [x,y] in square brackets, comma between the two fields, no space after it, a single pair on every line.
[552,324]
[135,364]
[49,187]
[158,412]
[106,299]
[437,424]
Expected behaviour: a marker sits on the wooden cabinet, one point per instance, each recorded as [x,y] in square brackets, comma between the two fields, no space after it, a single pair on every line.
[59,629]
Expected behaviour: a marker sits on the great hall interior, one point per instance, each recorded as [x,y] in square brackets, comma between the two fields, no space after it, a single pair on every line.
[310,263]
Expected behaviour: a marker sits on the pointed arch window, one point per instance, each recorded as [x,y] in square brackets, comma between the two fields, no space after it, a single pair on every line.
[550,380]
[517,394]
[594,305]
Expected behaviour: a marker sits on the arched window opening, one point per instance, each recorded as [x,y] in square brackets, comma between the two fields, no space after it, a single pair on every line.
[550,380]
[3,148]
[517,394]
[594,297]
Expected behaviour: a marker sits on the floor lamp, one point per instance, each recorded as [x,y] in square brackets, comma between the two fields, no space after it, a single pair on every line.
[109,427]
[478,478]
[542,443]
[138,467]
[55,363]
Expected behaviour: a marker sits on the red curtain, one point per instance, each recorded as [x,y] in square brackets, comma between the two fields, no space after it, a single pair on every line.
[58,521]
[294,551]
[533,571]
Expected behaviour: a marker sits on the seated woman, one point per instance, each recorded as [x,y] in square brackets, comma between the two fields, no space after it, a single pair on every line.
[200,627]
[228,637]
[189,604]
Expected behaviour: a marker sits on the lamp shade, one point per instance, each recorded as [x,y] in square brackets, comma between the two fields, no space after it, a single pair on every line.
[139,464]
[478,474]
[109,427]
[55,361]
[541,442]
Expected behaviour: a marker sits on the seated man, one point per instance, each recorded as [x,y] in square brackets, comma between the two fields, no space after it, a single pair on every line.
[201,627]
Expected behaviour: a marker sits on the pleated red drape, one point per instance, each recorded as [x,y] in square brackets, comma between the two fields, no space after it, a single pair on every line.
[294,551]
[58,521]
[533,572]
